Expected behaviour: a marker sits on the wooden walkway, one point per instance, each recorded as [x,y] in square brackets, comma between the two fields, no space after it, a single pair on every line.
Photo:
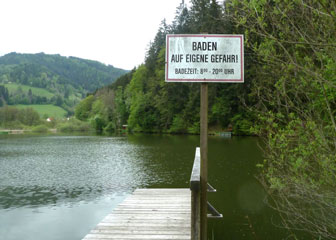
[148,214]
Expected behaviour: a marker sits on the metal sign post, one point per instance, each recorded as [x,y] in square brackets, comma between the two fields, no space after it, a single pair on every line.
[204,58]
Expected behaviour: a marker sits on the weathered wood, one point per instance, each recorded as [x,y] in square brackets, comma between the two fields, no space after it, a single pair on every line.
[148,214]
[195,215]
[133,236]
[195,178]
[204,158]
[128,229]
[146,232]
[195,182]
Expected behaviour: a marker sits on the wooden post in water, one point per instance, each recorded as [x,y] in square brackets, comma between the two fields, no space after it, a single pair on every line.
[204,158]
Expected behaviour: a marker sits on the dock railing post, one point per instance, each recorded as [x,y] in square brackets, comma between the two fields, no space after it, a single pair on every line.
[195,187]
[196,193]
[195,215]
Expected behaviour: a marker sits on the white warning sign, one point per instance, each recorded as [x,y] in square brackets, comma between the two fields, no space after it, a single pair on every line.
[204,58]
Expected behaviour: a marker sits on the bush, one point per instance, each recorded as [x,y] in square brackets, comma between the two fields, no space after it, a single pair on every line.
[294,96]
[74,125]
[40,129]
[98,123]
[241,125]
[195,128]
[178,125]
[110,128]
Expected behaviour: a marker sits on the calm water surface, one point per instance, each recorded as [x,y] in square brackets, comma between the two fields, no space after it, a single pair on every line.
[60,187]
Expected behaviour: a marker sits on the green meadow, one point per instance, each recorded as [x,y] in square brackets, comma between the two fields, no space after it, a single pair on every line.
[12,87]
[46,110]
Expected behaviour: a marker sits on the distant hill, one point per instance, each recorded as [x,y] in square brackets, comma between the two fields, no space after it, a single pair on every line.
[51,79]
[77,72]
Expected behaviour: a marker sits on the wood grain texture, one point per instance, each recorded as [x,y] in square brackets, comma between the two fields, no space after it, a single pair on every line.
[148,214]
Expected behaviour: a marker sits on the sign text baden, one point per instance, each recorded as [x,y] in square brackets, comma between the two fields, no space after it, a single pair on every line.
[204,58]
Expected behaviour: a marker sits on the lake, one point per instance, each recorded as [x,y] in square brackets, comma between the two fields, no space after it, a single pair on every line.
[59,187]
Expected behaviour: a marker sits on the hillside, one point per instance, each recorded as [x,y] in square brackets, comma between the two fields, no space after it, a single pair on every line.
[51,79]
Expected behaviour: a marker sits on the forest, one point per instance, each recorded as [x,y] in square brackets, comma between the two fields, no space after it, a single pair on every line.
[288,99]
[51,79]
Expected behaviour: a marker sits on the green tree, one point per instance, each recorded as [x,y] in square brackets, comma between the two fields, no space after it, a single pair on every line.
[83,109]
[206,16]
[28,116]
[8,114]
[3,95]
[30,96]
[181,23]
[135,97]
[59,100]
[121,112]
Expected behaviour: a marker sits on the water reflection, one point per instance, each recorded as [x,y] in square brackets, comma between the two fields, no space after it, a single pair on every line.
[251,197]
[66,184]
[46,170]
[12,197]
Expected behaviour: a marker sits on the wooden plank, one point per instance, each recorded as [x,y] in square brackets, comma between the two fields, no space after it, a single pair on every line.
[145,228]
[162,237]
[146,221]
[148,214]
[143,224]
[151,210]
[141,232]
[154,203]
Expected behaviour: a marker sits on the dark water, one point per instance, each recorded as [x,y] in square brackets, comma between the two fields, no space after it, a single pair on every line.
[60,187]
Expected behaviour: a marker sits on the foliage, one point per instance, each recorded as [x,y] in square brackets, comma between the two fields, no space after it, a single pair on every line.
[44,71]
[10,116]
[28,118]
[99,111]
[4,95]
[74,125]
[110,128]
[294,93]
[178,125]
[51,79]
[242,125]
[40,129]
[98,123]
[83,109]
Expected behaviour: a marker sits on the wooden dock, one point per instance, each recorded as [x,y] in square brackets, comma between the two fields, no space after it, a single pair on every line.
[148,214]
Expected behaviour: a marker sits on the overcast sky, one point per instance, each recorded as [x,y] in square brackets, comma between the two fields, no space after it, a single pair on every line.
[110,31]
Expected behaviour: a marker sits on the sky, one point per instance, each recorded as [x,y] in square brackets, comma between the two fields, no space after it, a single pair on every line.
[113,32]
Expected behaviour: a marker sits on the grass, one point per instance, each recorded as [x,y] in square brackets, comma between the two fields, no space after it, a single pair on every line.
[48,110]
[12,87]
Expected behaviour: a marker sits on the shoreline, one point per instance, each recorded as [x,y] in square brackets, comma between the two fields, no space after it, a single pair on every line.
[22,131]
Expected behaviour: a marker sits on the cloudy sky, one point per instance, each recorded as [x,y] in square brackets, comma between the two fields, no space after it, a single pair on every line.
[110,31]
